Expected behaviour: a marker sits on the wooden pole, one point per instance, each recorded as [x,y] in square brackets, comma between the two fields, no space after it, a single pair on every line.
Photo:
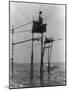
[49,60]
[12,52]
[41,65]
[48,64]
[51,50]
[31,68]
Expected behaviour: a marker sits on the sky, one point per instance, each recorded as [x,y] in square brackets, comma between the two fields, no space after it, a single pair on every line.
[53,16]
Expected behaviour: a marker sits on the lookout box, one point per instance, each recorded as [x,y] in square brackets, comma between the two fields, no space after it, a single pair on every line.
[38,27]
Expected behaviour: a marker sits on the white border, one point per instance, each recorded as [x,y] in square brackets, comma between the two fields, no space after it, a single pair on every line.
[4,43]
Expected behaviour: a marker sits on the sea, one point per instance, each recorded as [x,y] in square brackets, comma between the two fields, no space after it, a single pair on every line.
[21,75]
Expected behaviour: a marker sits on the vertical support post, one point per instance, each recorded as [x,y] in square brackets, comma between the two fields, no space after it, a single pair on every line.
[12,51]
[48,64]
[49,58]
[43,51]
[31,68]
[51,50]
[41,65]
